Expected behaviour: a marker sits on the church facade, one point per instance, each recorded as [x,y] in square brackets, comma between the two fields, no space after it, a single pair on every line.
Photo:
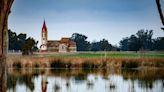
[63,45]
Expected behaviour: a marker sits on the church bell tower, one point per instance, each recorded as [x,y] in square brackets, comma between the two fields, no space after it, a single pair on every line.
[44,37]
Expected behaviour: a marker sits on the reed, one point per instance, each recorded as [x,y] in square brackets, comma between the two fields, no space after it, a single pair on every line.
[84,62]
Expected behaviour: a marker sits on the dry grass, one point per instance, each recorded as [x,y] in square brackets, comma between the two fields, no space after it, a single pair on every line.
[81,62]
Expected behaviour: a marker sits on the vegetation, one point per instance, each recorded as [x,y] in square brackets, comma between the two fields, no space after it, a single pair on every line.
[21,43]
[130,64]
[84,45]
[17,64]
[142,41]
[89,60]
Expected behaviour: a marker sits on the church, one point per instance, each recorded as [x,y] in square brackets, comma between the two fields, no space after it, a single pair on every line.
[63,45]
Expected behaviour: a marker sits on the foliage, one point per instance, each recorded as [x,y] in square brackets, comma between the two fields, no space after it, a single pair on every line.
[142,41]
[130,64]
[16,41]
[20,42]
[102,45]
[84,45]
[89,65]
[28,46]
[158,43]
[81,41]
[58,64]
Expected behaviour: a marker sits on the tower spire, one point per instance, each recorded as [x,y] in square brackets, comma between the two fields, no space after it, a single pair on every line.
[44,28]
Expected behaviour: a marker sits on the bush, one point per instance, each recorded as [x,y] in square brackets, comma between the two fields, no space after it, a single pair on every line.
[58,64]
[130,64]
[89,65]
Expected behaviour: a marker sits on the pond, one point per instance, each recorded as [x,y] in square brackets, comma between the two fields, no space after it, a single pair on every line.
[83,80]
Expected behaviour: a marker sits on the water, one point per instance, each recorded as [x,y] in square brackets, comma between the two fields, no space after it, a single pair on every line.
[79,80]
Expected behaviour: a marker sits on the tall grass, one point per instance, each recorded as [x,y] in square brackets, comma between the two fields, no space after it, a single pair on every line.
[85,62]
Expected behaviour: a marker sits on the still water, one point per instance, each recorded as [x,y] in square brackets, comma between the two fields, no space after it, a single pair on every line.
[80,80]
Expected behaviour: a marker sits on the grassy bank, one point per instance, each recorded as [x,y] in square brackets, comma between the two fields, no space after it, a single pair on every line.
[88,60]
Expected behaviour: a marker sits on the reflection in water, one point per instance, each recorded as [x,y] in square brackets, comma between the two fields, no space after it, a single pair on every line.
[44,84]
[3,74]
[56,87]
[79,80]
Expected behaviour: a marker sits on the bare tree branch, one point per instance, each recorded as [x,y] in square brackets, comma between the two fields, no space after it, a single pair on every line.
[160,11]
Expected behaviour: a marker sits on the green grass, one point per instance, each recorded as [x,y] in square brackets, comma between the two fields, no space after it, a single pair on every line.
[116,55]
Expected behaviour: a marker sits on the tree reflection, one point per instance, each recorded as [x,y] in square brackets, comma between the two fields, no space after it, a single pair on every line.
[3,76]
[145,78]
[11,82]
[44,84]
[56,87]
[90,84]
[25,79]
[133,78]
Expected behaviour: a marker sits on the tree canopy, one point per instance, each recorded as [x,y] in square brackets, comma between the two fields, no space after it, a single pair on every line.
[20,42]
[142,40]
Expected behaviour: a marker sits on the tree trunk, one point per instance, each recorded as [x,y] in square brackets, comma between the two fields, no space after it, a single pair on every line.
[5,6]
[160,12]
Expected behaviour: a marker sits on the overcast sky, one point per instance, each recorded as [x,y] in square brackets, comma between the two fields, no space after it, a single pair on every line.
[97,19]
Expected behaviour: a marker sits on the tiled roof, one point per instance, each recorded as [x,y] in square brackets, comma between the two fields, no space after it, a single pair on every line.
[56,43]
[65,40]
[52,43]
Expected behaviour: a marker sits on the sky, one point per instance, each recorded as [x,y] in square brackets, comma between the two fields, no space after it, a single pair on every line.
[97,19]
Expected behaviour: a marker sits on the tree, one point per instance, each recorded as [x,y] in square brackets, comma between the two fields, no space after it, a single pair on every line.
[16,41]
[141,41]
[124,44]
[145,39]
[95,46]
[5,6]
[104,45]
[19,42]
[158,43]
[133,43]
[28,46]
[81,41]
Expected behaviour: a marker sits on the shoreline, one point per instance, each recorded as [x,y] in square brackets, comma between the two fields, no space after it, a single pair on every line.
[88,61]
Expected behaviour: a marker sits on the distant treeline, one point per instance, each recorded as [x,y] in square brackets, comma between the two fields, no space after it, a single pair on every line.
[142,41]
[84,45]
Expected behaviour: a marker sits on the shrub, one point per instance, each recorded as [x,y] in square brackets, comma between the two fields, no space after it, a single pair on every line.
[89,65]
[130,64]
[58,64]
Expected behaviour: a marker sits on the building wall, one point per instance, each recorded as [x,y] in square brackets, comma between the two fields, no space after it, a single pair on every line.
[63,48]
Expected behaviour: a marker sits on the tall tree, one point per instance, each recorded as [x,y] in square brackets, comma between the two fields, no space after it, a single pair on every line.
[28,46]
[133,43]
[5,6]
[104,45]
[95,46]
[81,41]
[145,39]
[124,44]
[158,43]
